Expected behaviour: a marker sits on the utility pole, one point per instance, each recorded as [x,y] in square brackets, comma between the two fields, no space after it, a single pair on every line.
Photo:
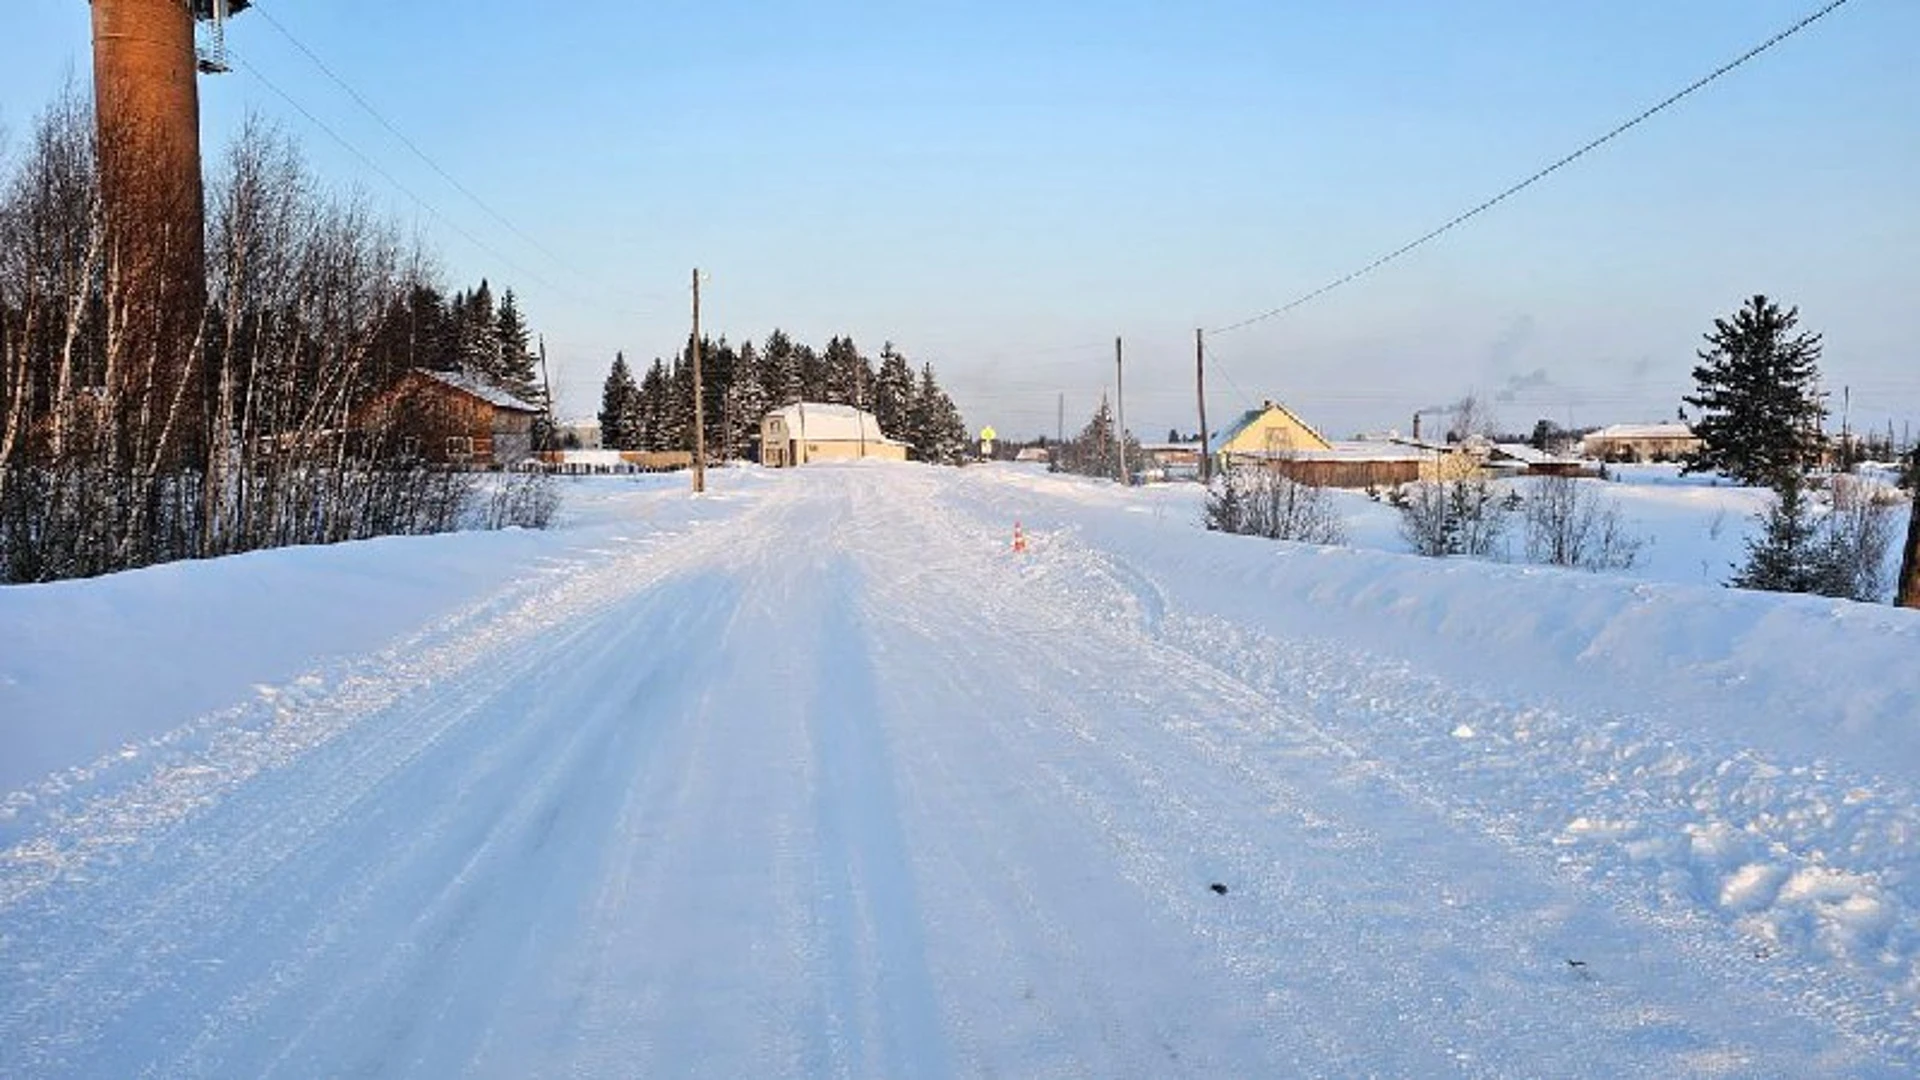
[552,434]
[1120,409]
[699,398]
[1060,420]
[1200,391]
[1908,591]
[1909,594]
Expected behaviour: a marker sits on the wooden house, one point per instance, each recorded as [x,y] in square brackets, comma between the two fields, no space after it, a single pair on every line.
[450,418]
[1261,433]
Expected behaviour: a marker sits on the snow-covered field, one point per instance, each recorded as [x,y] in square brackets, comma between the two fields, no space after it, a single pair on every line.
[814,776]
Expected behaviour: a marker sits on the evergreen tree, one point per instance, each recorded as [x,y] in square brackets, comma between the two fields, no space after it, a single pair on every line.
[1788,556]
[747,400]
[892,393]
[780,370]
[813,373]
[847,374]
[619,401]
[1758,400]
[475,340]
[934,428]
[655,413]
[515,369]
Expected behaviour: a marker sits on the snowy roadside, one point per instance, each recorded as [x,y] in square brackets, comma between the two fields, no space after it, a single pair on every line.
[1739,760]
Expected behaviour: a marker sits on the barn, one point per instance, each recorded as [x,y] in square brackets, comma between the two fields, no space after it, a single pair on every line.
[815,431]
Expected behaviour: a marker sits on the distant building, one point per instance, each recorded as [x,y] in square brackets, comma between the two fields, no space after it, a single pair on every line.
[814,431]
[1641,442]
[1271,429]
[581,434]
[450,418]
[1359,464]
[1171,460]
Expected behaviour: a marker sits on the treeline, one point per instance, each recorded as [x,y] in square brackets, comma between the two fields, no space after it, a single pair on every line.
[743,383]
[122,447]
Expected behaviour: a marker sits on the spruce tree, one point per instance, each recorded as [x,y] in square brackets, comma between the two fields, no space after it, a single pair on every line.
[1787,556]
[514,361]
[1758,400]
[780,370]
[618,399]
[892,392]
[475,333]
[747,398]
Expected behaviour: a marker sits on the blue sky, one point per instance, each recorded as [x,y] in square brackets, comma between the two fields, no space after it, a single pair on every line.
[1003,188]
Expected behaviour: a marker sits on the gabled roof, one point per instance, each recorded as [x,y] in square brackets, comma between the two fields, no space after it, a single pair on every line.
[1247,419]
[474,386]
[815,421]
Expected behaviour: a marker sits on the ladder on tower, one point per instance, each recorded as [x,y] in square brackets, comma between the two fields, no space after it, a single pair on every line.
[211,54]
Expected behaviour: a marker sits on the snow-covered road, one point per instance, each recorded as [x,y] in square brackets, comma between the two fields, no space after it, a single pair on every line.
[834,784]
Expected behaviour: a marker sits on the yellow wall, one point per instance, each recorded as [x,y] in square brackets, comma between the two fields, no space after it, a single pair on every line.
[1275,430]
[849,451]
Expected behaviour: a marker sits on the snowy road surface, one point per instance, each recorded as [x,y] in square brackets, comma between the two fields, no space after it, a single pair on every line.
[832,784]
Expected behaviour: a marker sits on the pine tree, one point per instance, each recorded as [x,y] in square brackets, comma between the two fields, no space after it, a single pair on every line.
[1758,400]
[892,392]
[618,400]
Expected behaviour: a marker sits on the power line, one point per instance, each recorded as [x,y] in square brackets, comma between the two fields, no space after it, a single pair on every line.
[404,140]
[384,174]
[1540,175]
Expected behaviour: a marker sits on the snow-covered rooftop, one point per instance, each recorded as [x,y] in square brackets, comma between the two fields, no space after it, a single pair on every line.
[469,383]
[813,421]
[1643,431]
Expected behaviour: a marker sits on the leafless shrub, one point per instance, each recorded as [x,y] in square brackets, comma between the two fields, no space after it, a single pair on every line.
[1568,524]
[1462,516]
[1261,501]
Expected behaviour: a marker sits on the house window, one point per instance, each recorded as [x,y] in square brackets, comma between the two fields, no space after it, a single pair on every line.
[459,447]
[410,446]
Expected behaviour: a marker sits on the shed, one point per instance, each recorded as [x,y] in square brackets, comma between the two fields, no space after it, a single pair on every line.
[815,431]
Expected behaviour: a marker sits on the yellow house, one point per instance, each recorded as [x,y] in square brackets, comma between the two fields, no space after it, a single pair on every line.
[1269,430]
[814,431]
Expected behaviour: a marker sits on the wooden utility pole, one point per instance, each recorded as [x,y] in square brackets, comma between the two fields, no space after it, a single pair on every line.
[552,433]
[699,398]
[1120,409]
[1908,593]
[1200,391]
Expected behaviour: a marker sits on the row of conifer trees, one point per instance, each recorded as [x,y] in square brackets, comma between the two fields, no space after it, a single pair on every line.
[743,383]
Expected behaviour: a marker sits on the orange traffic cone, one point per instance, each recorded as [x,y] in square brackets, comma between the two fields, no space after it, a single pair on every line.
[1019,539]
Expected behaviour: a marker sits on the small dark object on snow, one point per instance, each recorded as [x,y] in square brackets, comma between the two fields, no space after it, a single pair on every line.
[1576,963]
[1218,888]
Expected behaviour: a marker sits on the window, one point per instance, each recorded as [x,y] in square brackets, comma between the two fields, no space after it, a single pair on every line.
[459,447]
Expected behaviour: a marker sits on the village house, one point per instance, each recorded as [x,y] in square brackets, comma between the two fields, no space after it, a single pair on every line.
[1641,443]
[815,431]
[1262,433]
[450,418]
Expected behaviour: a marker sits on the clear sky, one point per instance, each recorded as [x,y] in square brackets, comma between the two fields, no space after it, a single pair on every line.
[1003,188]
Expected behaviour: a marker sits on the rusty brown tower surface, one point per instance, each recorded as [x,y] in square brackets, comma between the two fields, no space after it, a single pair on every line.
[147,104]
